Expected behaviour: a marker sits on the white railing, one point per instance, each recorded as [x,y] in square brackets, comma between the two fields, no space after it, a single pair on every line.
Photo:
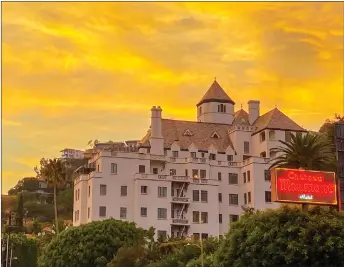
[181,199]
[180,221]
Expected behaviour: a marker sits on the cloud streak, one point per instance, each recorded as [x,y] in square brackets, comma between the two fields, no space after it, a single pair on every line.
[79,71]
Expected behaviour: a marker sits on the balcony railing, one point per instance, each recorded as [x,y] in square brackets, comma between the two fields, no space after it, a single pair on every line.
[180,221]
[180,199]
[180,178]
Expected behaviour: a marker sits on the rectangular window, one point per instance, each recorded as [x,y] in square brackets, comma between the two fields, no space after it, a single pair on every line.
[186,172]
[248,176]
[233,199]
[195,216]
[123,213]
[98,168]
[89,191]
[144,189]
[220,218]
[142,169]
[267,196]
[155,170]
[195,195]
[76,194]
[229,157]
[212,156]
[220,197]
[162,234]
[102,211]
[204,236]
[162,213]
[88,212]
[204,217]
[162,191]
[196,236]
[244,176]
[173,172]
[203,174]
[233,218]
[195,173]
[245,198]
[288,136]
[262,136]
[267,175]
[232,178]
[113,168]
[143,212]
[103,189]
[246,147]
[219,176]
[124,190]
[203,155]
[204,196]
[249,197]
[175,154]
[193,155]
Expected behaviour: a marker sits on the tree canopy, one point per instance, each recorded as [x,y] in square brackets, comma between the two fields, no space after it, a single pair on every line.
[284,237]
[310,151]
[82,246]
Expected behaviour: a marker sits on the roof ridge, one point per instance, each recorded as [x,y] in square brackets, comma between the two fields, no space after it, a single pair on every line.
[215,123]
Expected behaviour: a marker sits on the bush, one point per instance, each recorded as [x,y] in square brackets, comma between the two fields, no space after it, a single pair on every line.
[83,246]
[285,237]
[24,251]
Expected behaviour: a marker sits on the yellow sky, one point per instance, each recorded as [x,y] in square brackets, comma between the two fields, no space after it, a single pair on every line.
[79,71]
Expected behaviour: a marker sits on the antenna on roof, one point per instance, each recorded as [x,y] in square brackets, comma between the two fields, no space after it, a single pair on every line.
[241,105]
[275,106]
[215,78]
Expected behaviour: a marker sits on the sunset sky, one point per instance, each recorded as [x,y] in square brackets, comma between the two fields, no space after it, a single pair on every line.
[73,72]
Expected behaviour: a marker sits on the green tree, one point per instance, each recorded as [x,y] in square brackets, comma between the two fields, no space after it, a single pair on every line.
[81,246]
[284,237]
[53,172]
[20,213]
[310,151]
[65,203]
[24,251]
[328,128]
[129,257]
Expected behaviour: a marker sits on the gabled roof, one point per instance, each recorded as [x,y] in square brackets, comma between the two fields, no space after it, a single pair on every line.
[241,118]
[276,120]
[173,130]
[215,94]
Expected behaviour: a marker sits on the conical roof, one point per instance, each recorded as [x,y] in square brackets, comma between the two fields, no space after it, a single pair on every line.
[216,94]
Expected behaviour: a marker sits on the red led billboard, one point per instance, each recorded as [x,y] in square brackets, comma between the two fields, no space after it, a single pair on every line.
[303,186]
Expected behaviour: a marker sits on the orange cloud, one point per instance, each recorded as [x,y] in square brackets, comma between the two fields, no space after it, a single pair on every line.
[79,71]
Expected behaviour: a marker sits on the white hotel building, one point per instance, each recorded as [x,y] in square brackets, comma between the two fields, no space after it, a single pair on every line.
[186,177]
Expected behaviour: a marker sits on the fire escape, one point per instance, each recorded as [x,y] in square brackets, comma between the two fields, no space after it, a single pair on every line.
[179,206]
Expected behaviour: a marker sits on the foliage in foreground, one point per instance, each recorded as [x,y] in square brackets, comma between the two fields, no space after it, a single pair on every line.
[24,251]
[285,237]
[92,244]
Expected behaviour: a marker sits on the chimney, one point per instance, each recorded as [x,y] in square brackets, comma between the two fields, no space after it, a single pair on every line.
[253,110]
[156,140]
[156,122]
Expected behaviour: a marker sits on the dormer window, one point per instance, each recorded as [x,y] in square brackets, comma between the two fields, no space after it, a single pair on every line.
[221,108]
[215,135]
[187,133]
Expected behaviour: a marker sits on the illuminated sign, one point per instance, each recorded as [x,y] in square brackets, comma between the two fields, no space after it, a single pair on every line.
[303,186]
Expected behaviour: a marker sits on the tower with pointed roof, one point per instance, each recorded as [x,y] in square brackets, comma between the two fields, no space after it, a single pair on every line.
[215,106]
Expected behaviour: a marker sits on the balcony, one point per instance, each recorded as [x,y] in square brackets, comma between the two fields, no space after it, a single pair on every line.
[180,221]
[200,181]
[180,178]
[181,200]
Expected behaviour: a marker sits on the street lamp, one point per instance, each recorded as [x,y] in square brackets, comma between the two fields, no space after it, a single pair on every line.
[201,247]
